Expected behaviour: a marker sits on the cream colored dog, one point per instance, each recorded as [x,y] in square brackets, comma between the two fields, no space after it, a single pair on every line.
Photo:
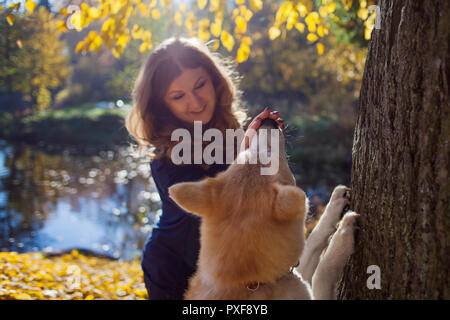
[252,234]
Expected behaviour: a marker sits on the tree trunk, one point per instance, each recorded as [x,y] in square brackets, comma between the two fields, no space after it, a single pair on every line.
[401,150]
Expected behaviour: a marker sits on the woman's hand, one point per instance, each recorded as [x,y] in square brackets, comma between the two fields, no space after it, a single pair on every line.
[256,123]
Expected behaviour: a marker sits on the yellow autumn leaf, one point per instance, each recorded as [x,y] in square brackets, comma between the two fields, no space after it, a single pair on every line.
[320,48]
[201,3]
[61,25]
[117,51]
[95,45]
[123,40]
[235,12]
[190,21]
[203,23]
[274,33]
[136,32]
[311,22]
[143,9]
[243,10]
[80,47]
[315,16]
[215,45]
[30,5]
[243,53]
[216,28]
[301,9]
[367,33]
[145,46]
[146,43]
[331,7]
[300,27]
[310,19]
[214,5]
[247,41]
[178,18]
[203,35]
[15,6]
[94,13]
[218,15]
[292,20]
[114,6]
[320,31]
[256,5]
[156,14]
[23,296]
[347,4]
[312,37]
[108,25]
[363,13]
[286,9]
[312,27]
[182,7]
[10,18]
[75,253]
[323,11]
[19,44]
[241,24]
[227,40]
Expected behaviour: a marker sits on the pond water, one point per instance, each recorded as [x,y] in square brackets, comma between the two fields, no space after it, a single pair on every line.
[50,201]
[54,200]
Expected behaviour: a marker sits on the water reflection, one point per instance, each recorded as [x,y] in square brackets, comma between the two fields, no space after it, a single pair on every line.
[105,202]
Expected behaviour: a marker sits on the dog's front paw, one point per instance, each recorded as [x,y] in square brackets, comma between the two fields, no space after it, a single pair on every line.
[339,199]
[343,239]
[339,192]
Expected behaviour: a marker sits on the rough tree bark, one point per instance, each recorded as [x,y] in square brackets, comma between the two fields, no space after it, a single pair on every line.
[401,150]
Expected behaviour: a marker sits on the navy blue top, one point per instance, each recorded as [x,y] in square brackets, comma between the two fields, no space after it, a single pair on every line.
[170,253]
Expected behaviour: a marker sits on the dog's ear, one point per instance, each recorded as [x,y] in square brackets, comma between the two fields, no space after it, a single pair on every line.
[290,202]
[196,197]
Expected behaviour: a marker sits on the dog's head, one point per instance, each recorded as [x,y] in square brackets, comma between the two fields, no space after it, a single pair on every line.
[252,224]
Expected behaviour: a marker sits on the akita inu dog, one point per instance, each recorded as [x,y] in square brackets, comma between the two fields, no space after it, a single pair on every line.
[252,234]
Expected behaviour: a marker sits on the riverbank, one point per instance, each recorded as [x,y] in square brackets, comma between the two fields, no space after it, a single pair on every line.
[83,126]
[32,276]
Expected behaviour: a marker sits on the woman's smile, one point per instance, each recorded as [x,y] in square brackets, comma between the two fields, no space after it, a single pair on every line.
[200,111]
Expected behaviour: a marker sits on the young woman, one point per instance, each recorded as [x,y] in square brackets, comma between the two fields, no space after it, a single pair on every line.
[181,82]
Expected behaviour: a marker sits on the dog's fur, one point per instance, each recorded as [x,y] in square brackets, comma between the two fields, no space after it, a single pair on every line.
[252,235]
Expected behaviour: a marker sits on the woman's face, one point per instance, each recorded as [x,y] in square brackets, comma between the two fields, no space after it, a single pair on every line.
[191,96]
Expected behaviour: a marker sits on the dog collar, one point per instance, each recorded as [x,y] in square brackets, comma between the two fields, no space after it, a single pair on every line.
[253,286]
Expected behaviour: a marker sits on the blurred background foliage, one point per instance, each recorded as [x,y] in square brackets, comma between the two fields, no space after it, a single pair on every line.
[64,94]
